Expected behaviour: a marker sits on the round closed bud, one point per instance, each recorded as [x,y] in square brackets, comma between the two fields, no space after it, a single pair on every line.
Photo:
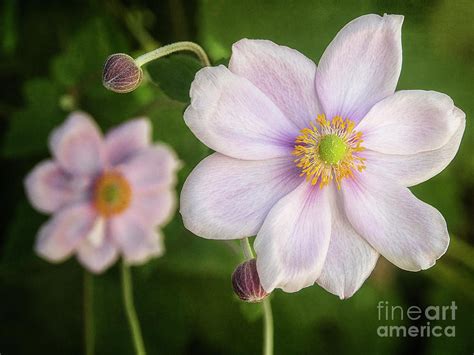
[246,282]
[121,73]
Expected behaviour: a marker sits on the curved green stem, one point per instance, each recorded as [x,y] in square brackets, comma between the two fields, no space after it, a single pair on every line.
[136,28]
[127,289]
[172,48]
[88,313]
[267,307]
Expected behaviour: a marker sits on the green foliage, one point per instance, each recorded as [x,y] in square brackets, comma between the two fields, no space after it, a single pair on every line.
[76,80]
[174,75]
[30,127]
[20,235]
[8,27]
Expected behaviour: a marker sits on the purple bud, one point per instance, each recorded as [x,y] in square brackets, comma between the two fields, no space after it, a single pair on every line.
[246,282]
[121,73]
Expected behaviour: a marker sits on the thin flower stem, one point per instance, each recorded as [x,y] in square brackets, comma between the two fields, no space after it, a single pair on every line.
[268,327]
[172,48]
[135,26]
[267,307]
[246,248]
[127,289]
[88,299]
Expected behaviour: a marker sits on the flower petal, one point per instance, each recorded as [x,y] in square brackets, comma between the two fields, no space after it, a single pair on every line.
[97,258]
[126,139]
[156,206]
[349,260]
[292,244]
[360,66]
[410,122]
[283,74]
[226,198]
[408,232]
[150,169]
[77,145]
[137,240]
[58,237]
[230,115]
[410,170]
[49,187]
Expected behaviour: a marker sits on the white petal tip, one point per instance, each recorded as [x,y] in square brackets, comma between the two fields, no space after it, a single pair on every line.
[396,19]
[49,255]
[95,269]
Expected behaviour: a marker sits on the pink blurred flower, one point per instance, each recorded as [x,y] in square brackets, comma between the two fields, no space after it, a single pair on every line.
[316,161]
[107,194]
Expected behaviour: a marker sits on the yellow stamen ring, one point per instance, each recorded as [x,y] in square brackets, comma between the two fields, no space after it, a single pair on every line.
[112,194]
[329,152]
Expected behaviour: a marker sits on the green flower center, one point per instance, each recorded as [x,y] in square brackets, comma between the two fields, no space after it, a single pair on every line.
[110,193]
[329,151]
[332,149]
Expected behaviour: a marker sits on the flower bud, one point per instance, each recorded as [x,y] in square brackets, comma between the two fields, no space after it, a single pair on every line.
[121,73]
[246,282]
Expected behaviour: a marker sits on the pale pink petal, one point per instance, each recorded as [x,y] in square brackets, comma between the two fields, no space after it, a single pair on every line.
[360,66]
[77,145]
[137,240]
[157,206]
[283,74]
[410,170]
[226,198]
[127,139]
[410,122]
[97,258]
[292,244]
[408,232]
[349,260]
[230,115]
[151,168]
[58,237]
[49,187]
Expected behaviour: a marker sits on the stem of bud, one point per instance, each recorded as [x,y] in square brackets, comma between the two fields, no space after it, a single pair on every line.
[267,307]
[172,48]
[268,329]
[246,248]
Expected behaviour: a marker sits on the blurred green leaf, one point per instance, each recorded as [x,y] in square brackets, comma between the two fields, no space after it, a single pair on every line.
[305,25]
[76,80]
[174,75]
[85,54]
[30,127]
[20,236]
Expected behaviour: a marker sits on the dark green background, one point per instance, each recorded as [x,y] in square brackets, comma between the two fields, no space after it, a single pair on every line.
[51,60]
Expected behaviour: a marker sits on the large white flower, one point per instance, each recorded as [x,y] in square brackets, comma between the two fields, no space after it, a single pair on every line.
[316,161]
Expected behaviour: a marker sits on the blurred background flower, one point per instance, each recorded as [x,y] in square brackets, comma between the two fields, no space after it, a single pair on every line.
[108,195]
[185,299]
